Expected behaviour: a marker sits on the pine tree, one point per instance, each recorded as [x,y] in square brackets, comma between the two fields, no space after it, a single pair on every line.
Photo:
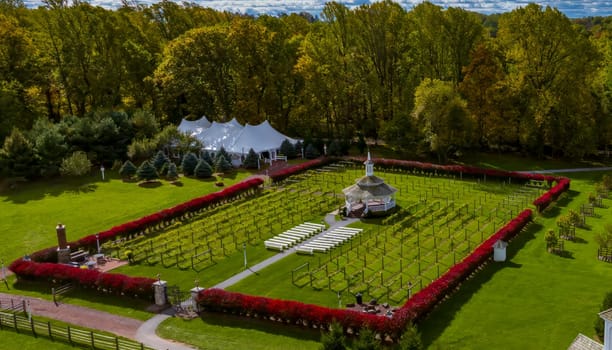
[223,152]
[147,171]
[311,152]
[207,158]
[287,149]
[128,169]
[222,165]
[189,163]
[17,156]
[367,340]
[159,160]
[252,160]
[172,173]
[203,170]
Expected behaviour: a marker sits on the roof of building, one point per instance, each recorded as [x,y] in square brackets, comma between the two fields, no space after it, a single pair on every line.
[606,315]
[582,342]
[369,187]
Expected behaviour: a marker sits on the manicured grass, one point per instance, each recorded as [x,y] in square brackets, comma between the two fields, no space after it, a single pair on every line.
[12,340]
[86,205]
[535,300]
[221,332]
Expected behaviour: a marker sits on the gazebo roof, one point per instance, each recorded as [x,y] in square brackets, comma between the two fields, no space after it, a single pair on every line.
[369,187]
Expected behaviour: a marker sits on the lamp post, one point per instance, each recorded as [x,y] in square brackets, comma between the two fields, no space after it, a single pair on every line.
[409,289]
[3,269]
[245,257]
[102,171]
[98,242]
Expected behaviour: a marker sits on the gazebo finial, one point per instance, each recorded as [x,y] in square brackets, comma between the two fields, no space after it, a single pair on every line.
[369,165]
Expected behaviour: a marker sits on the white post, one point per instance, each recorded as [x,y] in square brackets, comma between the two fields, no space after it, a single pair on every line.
[245,257]
[607,333]
[98,242]
[3,270]
[102,171]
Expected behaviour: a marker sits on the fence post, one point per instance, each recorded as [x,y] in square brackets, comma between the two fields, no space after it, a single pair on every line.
[69,336]
[15,323]
[49,329]
[32,326]
[93,346]
[116,343]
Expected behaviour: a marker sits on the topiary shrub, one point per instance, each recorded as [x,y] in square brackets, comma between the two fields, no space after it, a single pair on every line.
[311,152]
[287,149]
[147,171]
[203,170]
[127,170]
[76,165]
[252,160]
[222,165]
[189,163]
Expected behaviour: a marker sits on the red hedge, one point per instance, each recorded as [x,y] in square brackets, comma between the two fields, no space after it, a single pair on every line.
[282,174]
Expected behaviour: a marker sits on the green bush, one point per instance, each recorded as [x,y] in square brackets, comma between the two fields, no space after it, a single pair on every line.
[172,173]
[604,239]
[17,156]
[159,160]
[147,171]
[334,339]
[311,152]
[222,165]
[599,322]
[252,160]
[367,340]
[189,163]
[551,239]
[128,169]
[203,170]
[223,153]
[76,165]
[287,149]
[207,158]
[411,339]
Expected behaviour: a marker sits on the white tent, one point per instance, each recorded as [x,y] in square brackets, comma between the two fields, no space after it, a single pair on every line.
[194,127]
[220,135]
[261,138]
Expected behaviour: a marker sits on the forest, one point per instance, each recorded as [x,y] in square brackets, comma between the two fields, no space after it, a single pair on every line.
[114,84]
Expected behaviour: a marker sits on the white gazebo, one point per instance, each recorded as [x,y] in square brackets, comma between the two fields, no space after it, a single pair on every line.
[369,193]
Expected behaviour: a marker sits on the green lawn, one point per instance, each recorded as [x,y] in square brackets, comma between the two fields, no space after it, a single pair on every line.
[222,332]
[29,213]
[535,300]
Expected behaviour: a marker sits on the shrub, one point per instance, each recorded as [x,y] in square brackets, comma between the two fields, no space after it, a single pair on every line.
[599,322]
[159,160]
[298,148]
[604,239]
[311,152]
[367,340]
[607,182]
[128,169]
[252,160]
[189,163]
[334,148]
[574,218]
[411,339]
[222,165]
[203,170]
[287,149]
[334,339]
[207,157]
[17,156]
[76,165]
[147,171]
[223,153]
[172,173]
[551,239]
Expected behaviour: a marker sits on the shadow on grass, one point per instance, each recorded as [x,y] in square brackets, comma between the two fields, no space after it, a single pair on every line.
[433,326]
[261,325]
[566,254]
[580,240]
[27,191]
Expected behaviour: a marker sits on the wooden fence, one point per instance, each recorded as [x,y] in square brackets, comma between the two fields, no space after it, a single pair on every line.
[71,335]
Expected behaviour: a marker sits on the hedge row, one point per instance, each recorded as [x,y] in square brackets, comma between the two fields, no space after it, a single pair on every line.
[544,200]
[107,282]
[282,174]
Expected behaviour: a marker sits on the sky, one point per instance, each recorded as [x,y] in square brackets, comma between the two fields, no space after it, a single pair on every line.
[571,8]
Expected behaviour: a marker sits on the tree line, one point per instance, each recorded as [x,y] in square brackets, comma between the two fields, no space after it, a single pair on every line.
[425,80]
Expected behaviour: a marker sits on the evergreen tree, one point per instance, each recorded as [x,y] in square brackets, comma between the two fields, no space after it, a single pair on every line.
[203,170]
[252,160]
[222,152]
[189,163]
[49,145]
[172,173]
[159,160]
[298,148]
[147,171]
[17,156]
[367,340]
[287,149]
[164,169]
[334,148]
[334,339]
[311,152]
[207,158]
[222,165]
[128,169]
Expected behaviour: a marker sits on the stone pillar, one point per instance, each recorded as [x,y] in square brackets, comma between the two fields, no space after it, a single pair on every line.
[63,249]
[159,289]
[194,296]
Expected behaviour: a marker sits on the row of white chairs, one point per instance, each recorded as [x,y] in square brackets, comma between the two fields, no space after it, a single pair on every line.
[293,236]
[329,240]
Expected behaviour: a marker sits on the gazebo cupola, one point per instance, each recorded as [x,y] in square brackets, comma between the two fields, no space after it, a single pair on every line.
[370,193]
